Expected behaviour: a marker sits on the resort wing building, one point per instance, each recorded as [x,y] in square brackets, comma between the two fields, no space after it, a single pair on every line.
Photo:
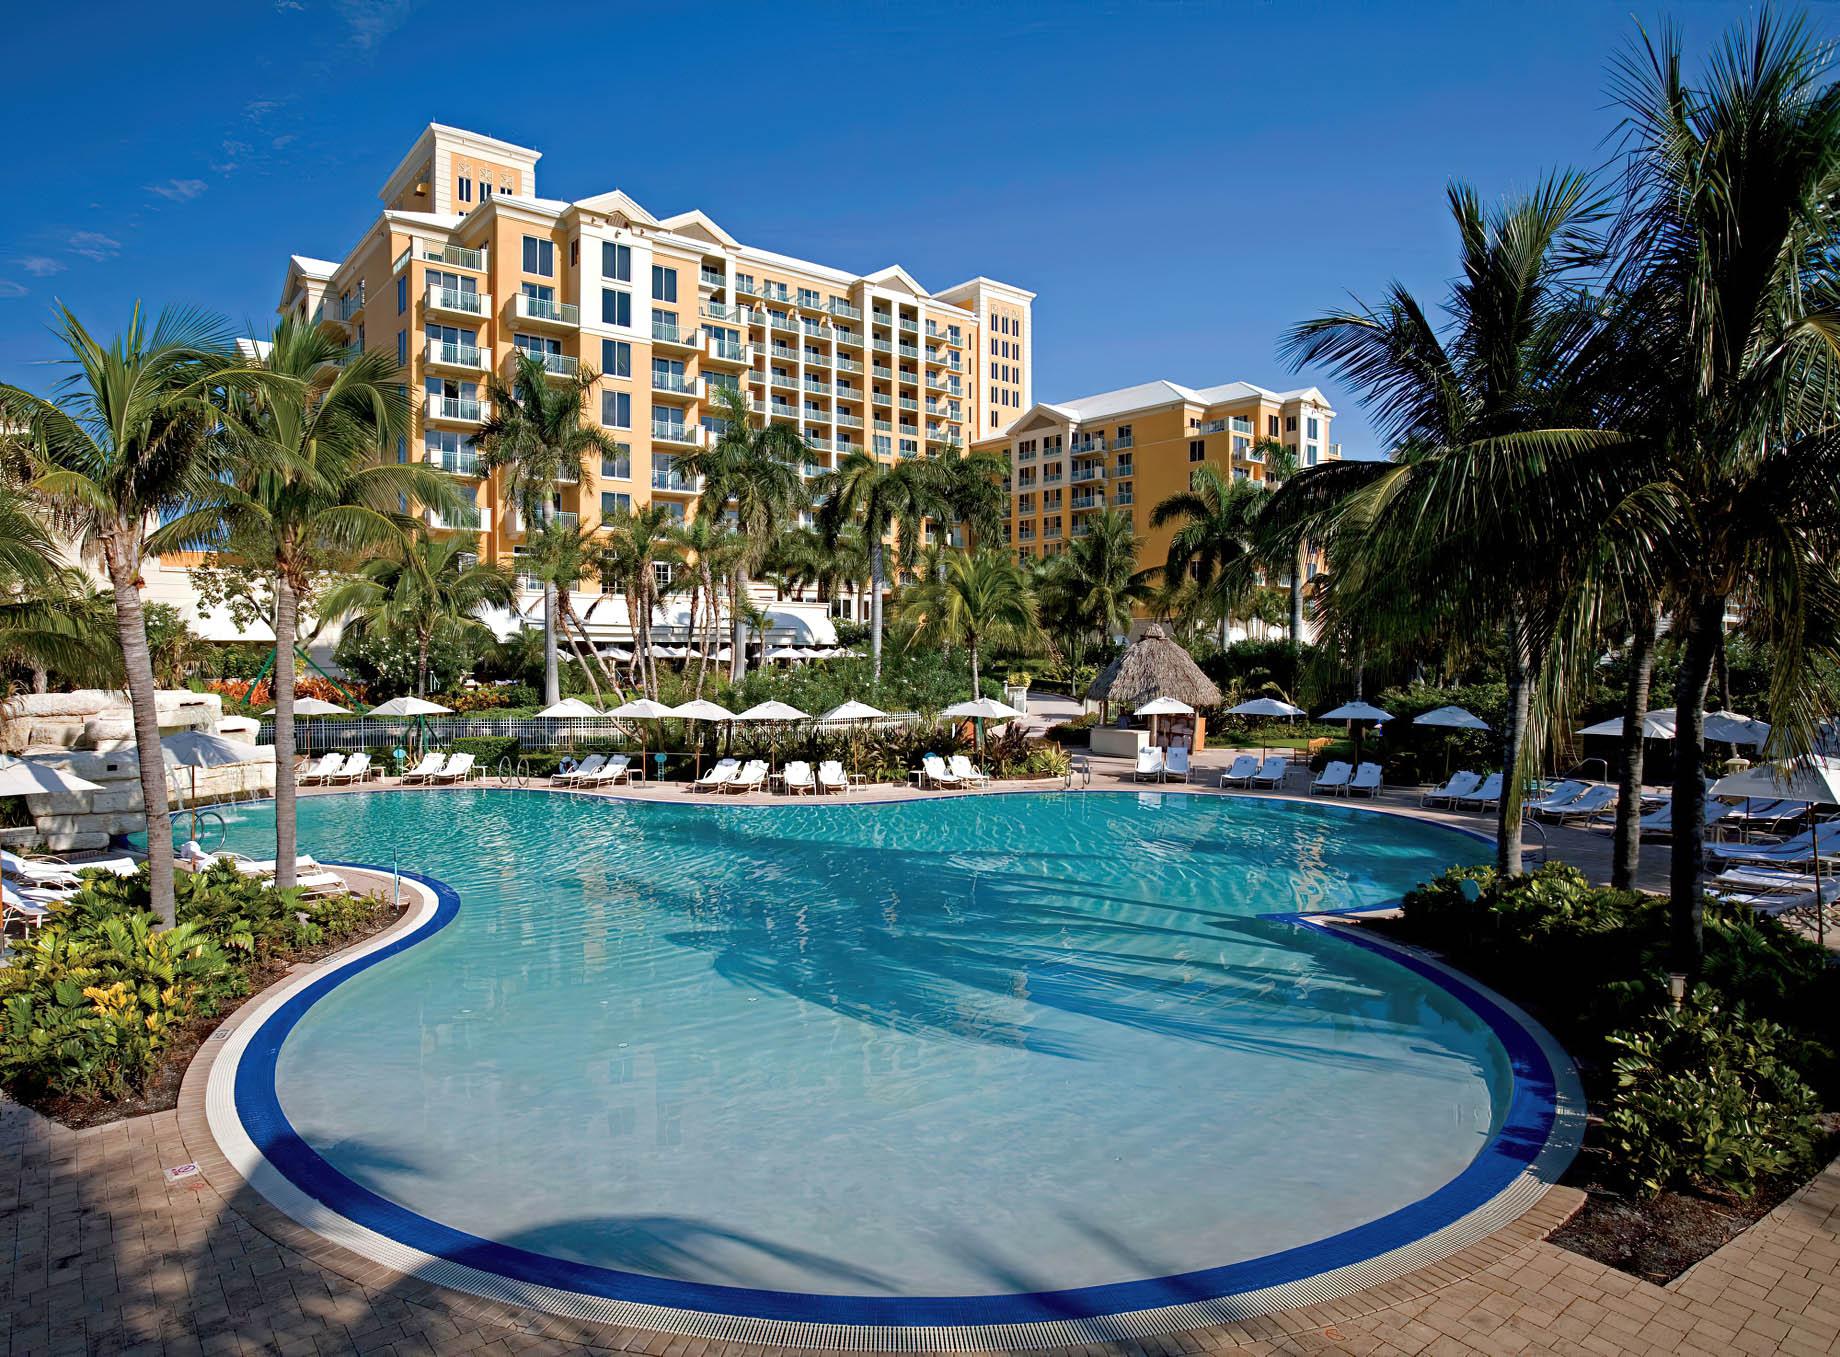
[467,267]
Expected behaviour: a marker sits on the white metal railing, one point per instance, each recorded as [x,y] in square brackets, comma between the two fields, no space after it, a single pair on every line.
[666,333]
[459,355]
[676,383]
[456,408]
[458,257]
[458,299]
[839,307]
[543,309]
[464,462]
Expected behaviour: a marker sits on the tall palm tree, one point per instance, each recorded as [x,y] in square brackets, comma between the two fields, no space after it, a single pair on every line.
[637,540]
[1494,495]
[983,596]
[1217,518]
[751,474]
[1726,251]
[426,588]
[1100,576]
[562,555]
[707,548]
[879,497]
[538,436]
[306,492]
[970,490]
[128,439]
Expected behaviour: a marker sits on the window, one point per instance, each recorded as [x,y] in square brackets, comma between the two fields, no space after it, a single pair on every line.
[1197,449]
[616,262]
[402,305]
[614,504]
[664,284]
[485,189]
[1290,424]
[402,348]
[616,358]
[616,409]
[1311,428]
[744,282]
[574,253]
[616,307]
[540,256]
[661,575]
[993,372]
[808,298]
[464,190]
[1310,453]
[1241,445]
[993,419]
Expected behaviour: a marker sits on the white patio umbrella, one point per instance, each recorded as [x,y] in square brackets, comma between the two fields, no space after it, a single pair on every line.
[21,777]
[1264,706]
[1729,727]
[314,706]
[571,709]
[855,713]
[981,709]
[773,713]
[1163,706]
[1656,725]
[1353,712]
[642,709]
[1451,718]
[1814,779]
[195,749]
[419,708]
[702,709]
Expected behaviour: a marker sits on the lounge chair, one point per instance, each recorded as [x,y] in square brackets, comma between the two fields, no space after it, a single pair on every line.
[356,769]
[1175,762]
[579,772]
[1557,796]
[37,872]
[1240,773]
[799,781]
[1587,804]
[717,777]
[615,769]
[937,774]
[1272,772]
[310,878]
[28,907]
[1769,901]
[459,768]
[427,768]
[1149,763]
[1484,796]
[832,778]
[1773,817]
[1823,839]
[1332,780]
[1447,795]
[751,778]
[1659,823]
[1366,780]
[328,765]
[962,770]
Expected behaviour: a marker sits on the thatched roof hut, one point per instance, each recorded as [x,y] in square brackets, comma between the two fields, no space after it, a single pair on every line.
[1154,666]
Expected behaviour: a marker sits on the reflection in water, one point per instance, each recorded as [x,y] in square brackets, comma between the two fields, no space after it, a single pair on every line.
[957,1043]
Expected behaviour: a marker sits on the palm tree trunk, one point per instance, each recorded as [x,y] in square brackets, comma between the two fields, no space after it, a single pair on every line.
[287,829]
[422,641]
[1704,620]
[1301,564]
[131,622]
[875,606]
[1508,810]
[41,678]
[552,679]
[737,590]
[1627,851]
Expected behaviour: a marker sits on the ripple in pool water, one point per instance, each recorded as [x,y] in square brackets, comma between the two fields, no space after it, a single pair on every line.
[956,1047]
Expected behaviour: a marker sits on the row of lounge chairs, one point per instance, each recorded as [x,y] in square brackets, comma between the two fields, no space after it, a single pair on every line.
[731,775]
[30,887]
[1156,763]
[957,775]
[1247,770]
[597,770]
[1340,779]
[332,769]
[310,877]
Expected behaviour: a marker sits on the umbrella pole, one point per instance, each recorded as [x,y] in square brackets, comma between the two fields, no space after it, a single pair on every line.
[1820,906]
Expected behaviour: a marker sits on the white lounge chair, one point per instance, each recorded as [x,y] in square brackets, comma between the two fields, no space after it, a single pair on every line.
[328,765]
[1175,762]
[751,778]
[1149,763]
[36,871]
[1822,839]
[28,907]
[963,770]
[458,768]
[1484,796]
[723,772]
[1241,772]
[427,768]
[1773,901]
[1366,780]
[1588,803]
[1332,780]
[832,778]
[1459,784]
[1556,796]
[1272,772]
[799,781]
[356,769]
[937,774]
[616,769]
[578,772]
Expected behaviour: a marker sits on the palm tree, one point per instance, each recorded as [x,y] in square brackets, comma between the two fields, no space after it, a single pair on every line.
[637,539]
[1218,517]
[970,490]
[562,555]
[1280,466]
[878,497]
[751,474]
[537,435]
[130,439]
[428,588]
[983,596]
[1099,572]
[1725,250]
[707,547]
[1495,492]
[306,492]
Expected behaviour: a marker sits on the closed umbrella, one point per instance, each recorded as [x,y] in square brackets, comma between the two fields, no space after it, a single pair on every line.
[642,709]
[1353,713]
[772,714]
[1814,779]
[856,713]
[702,710]
[981,709]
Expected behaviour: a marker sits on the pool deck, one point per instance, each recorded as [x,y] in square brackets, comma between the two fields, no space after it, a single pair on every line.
[105,1252]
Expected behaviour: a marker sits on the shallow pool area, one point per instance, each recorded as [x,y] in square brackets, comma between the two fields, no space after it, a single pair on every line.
[862,1063]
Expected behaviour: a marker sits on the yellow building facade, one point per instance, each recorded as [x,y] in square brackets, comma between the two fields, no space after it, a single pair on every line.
[467,266]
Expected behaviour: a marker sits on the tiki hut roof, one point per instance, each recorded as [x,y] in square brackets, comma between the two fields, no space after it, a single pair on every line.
[1154,666]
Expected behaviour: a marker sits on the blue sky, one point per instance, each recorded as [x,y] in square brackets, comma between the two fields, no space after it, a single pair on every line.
[1177,182]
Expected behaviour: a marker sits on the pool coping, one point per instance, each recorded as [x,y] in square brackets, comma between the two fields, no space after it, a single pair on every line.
[209,1103]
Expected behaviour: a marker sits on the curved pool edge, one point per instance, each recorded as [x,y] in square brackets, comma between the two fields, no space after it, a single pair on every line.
[256,1148]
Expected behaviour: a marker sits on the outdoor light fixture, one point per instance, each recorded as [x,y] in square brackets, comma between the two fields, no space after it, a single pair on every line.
[1677,987]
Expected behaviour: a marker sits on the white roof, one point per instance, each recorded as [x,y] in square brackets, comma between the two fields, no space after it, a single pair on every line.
[1150,394]
[313,268]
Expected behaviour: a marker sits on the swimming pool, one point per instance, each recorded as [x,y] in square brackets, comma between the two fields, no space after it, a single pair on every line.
[979,1060]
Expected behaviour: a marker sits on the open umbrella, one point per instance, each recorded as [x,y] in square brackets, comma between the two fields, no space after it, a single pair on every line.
[1656,725]
[642,709]
[1163,706]
[419,708]
[1450,718]
[772,713]
[855,713]
[570,709]
[1353,712]
[702,709]
[1728,727]
[20,777]
[195,749]
[981,709]
[314,706]
[1814,779]
[1264,706]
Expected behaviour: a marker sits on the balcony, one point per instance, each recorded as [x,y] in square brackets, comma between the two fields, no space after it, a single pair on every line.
[458,301]
[884,346]
[1085,447]
[746,288]
[663,332]
[850,337]
[1090,499]
[1212,426]
[882,398]
[1087,473]
[1123,496]
[455,257]
[848,421]
[1124,440]
[463,462]
[677,384]
[455,410]
[821,444]
[817,385]
[674,482]
[936,331]
[463,356]
[908,350]
[714,280]
[350,307]
[816,360]
[1081,527]
[839,307]
[718,311]
[555,364]
[783,410]
[1051,533]
[726,351]
[884,426]
[786,322]
[682,435]
[460,520]
[909,403]
[542,311]
[1050,476]
[937,383]
[911,327]
[848,364]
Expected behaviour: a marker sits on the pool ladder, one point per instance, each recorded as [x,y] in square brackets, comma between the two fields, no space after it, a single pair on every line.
[516,775]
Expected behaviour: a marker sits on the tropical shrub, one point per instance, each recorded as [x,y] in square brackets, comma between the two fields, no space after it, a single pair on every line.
[1078,731]
[487,750]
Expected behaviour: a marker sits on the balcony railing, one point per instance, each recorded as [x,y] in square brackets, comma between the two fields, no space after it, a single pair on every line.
[676,483]
[848,364]
[728,351]
[677,384]
[1086,446]
[817,384]
[839,307]
[455,409]
[459,356]
[848,421]
[884,346]
[784,322]
[670,431]
[464,519]
[909,403]
[1092,499]
[351,306]
[457,299]
[911,327]
[556,364]
[708,279]
[821,443]
[663,332]
[908,350]
[457,258]
[548,312]
[720,311]
[567,520]
[852,338]
[1087,473]
[464,462]
[1124,440]
[816,360]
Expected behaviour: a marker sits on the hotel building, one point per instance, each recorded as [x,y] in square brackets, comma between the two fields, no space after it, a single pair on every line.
[467,267]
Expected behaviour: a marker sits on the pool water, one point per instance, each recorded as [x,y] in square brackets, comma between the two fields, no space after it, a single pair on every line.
[971,1046]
